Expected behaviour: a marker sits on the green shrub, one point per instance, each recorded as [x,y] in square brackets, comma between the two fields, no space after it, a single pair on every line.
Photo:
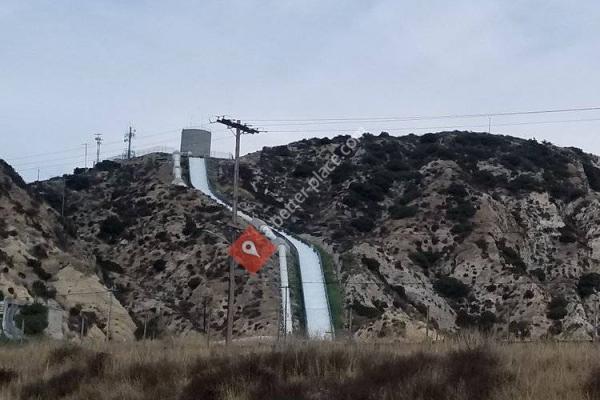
[593,175]
[39,289]
[588,284]
[511,257]
[78,182]
[557,308]
[111,228]
[400,212]
[425,258]
[567,234]
[371,264]
[363,224]
[367,191]
[35,317]
[451,287]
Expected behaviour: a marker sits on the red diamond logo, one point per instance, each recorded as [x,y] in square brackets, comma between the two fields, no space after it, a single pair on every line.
[251,250]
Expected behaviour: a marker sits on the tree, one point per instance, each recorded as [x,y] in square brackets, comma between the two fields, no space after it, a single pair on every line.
[34,317]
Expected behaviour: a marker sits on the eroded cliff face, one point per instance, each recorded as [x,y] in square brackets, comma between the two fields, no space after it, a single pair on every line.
[41,261]
[480,231]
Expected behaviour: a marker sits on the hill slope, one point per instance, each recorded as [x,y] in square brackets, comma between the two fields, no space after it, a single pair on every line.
[163,248]
[476,230]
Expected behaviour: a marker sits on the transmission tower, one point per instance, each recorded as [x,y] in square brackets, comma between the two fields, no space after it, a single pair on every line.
[98,139]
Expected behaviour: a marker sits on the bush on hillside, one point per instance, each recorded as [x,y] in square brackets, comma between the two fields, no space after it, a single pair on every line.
[425,258]
[593,175]
[399,211]
[34,317]
[588,284]
[111,228]
[363,224]
[557,308]
[451,287]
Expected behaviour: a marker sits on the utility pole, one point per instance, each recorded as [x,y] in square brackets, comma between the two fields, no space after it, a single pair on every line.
[98,140]
[239,130]
[128,136]
[64,192]
[110,296]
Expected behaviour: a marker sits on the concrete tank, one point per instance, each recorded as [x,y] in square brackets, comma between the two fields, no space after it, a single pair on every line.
[195,142]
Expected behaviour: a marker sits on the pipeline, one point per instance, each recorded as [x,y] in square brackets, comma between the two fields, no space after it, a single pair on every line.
[178,180]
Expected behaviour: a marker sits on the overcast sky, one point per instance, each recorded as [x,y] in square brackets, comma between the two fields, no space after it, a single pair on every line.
[70,69]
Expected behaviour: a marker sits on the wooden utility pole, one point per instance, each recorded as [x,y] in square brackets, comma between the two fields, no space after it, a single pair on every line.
[239,130]
[110,300]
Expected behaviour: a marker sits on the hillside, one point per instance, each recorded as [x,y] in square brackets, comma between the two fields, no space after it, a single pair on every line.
[162,247]
[479,231]
[41,260]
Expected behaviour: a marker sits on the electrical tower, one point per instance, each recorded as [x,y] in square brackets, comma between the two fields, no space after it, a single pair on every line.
[239,130]
[128,137]
[98,139]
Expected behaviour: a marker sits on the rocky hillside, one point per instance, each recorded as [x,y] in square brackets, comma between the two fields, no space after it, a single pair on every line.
[162,247]
[41,261]
[479,231]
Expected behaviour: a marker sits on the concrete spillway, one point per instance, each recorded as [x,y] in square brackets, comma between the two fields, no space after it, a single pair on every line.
[318,317]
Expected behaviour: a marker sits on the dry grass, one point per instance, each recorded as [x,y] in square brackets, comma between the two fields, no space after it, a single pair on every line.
[186,370]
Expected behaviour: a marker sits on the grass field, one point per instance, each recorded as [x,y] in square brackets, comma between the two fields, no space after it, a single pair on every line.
[185,369]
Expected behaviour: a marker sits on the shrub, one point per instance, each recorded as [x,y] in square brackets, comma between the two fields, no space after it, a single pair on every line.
[194,282]
[367,191]
[451,287]
[511,257]
[520,329]
[107,165]
[363,224]
[36,265]
[7,376]
[425,258]
[39,289]
[342,173]
[78,182]
[593,175]
[108,265]
[557,308]
[397,165]
[111,228]
[400,212]
[159,265]
[588,284]
[457,190]
[567,234]
[304,170]
[487,319]
[35,317]
[461,211]
[371,263]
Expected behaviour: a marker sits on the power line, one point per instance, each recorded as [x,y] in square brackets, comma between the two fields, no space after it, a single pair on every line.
[443,116]
[411,128]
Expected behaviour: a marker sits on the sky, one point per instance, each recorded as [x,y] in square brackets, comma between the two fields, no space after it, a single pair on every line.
[70,69]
